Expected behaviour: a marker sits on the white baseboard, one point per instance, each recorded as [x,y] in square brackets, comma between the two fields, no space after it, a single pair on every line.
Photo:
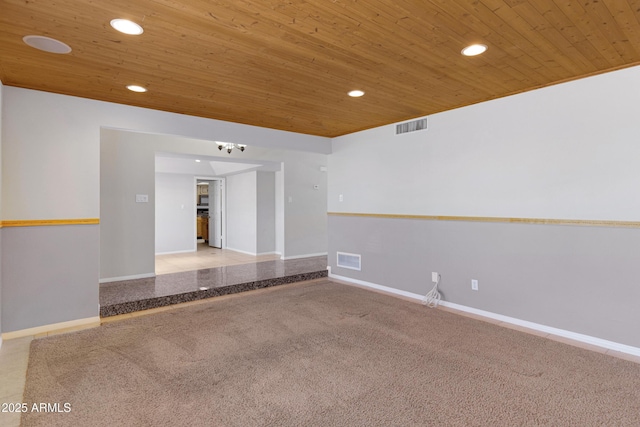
[177,252]
[135,276]
[241,251]
[254,253]
[88,322]
[303,256]
[599,342]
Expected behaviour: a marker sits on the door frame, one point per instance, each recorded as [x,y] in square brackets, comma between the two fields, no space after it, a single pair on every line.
[223,206]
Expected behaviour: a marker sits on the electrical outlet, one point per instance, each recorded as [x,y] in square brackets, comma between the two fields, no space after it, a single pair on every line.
[474,284]
[434,277]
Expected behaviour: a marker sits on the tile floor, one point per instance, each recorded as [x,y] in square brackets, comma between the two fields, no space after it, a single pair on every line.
[14,356]
[206,257]
[173,288]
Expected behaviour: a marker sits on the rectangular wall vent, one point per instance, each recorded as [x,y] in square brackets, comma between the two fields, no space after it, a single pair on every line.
[412,126]
[350,261]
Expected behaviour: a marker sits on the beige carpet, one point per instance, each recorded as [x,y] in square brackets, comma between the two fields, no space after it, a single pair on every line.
[323,354]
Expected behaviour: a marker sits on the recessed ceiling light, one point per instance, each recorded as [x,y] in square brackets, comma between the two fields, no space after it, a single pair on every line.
[47,44]
[197,160]
[474,49]
[136,88]
[356,93]
[126,26]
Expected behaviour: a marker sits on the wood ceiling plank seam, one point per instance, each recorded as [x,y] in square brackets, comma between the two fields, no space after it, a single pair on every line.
[395,42]
[609,28]
[543,13]
[591,33]
[518,75]
[271,54]
[628,20]
[479,17]
[367,47]
[572,33]
[501,78]
[498,80]
[634,8]
[537,78]
[557,66]
[406,42]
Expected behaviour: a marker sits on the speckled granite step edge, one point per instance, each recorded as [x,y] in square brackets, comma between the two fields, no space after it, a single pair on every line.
[146,304]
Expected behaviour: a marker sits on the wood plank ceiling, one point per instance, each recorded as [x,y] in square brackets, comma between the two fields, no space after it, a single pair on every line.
[289,64]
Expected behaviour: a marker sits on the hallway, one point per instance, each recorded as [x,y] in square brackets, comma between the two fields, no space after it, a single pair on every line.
[206,257]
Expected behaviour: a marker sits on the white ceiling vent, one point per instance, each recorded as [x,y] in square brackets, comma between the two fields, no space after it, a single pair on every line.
[350,261]
[412,126]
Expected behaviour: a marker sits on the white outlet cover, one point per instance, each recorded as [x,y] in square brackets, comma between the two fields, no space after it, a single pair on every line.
[142,198]
[434,277]
[474,284]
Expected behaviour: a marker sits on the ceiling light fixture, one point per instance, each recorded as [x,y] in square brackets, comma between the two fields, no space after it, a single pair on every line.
[127,27]
[356,93]
[136,88]
[46,44]
[229,146]
[197,160]
[474,49]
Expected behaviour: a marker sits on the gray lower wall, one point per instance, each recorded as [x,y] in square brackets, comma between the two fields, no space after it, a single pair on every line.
[1,330]
[49,275]
[576,278]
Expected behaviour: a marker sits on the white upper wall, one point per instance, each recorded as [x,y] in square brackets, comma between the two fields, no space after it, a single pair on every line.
[55,139]
[242,212]
[175,213]
[266,212]
[568,151]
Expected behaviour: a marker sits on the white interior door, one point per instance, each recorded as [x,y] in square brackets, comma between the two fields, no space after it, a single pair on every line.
[215,214]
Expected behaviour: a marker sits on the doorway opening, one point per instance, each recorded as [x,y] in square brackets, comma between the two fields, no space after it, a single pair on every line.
[206,207]
[210,213]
